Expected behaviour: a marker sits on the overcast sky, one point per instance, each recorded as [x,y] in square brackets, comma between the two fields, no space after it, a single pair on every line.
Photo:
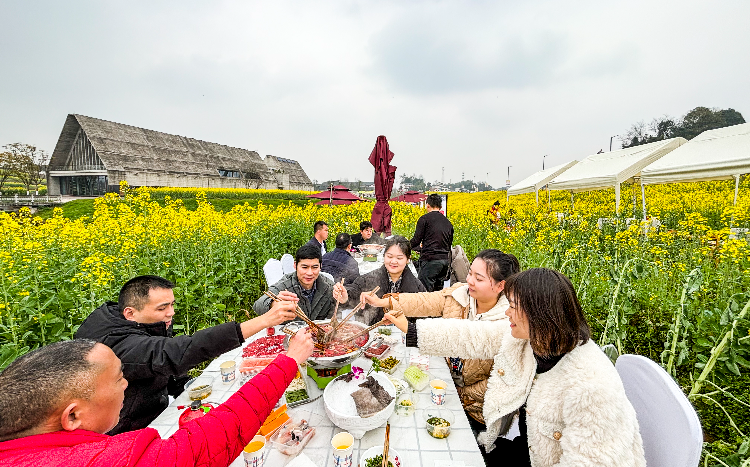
[472,86]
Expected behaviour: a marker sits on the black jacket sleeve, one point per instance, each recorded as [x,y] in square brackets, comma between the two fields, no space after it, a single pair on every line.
[148,356]
[418,234]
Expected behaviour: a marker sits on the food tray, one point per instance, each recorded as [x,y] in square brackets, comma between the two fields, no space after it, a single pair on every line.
[395,357]
[378,350]
[299,383]
[284,442]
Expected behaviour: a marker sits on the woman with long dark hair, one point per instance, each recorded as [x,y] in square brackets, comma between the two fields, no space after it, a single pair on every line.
[393,277]
[481,298]
[573,407]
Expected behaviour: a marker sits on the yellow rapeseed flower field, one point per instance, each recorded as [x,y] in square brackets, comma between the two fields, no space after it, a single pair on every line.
[667,289]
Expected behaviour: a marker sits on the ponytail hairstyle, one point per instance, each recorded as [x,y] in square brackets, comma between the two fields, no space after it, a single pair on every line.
[500,266]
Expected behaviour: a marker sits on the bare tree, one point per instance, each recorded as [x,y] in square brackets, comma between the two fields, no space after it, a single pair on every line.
[31,165]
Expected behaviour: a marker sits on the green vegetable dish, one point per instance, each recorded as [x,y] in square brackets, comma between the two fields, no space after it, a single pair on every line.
[296,396]
[376,461]
[438,427]
[385,331]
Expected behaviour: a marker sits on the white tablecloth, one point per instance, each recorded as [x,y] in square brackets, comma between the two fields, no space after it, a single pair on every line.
[408,434]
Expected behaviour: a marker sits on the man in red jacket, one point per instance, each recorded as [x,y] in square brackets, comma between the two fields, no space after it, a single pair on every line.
[58,401]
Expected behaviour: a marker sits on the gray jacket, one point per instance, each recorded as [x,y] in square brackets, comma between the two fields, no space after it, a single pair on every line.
[322,304]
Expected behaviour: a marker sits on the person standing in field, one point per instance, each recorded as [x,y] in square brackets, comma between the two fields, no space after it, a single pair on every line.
[433,238]
[320,235]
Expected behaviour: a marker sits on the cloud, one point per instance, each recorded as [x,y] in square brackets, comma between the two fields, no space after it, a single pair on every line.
[418,56]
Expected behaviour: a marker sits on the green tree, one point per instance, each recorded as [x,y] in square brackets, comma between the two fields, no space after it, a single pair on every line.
[30,164]
[8,167]
[692,124]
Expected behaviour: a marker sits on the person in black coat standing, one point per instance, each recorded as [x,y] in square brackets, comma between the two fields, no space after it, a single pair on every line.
[433,238]
[138,328]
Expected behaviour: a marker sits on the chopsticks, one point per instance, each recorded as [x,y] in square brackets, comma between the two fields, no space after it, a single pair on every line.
[356,309]
[379,323]
[386,444]
[286,331]
[300,314]
[334,321]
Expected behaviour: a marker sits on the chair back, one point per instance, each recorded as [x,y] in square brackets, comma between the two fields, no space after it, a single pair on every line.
[671,431]
[325,274]
[287,263]
[273,271]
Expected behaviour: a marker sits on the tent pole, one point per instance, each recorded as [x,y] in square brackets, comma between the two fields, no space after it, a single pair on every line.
[536,192]
[734,203]
[617,199]
[572,205]
[736,188]
[643,200]
[549,200]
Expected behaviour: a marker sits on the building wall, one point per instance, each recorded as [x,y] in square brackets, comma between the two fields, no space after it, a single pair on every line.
[194,181]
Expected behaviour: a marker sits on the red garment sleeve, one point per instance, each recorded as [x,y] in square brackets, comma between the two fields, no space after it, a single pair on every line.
[217,438]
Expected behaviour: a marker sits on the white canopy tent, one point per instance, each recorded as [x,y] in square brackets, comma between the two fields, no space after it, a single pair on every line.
[610,169]
[537,180]
[712,155]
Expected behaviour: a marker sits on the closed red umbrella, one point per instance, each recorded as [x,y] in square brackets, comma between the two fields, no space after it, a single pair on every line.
[385,175]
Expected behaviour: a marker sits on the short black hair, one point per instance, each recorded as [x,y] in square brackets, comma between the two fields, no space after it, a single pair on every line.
[343,240]
[36,384]
[308,252]
[135,292]
[364,225]
[318,225]
[549,301]
[435,201]
[401,242]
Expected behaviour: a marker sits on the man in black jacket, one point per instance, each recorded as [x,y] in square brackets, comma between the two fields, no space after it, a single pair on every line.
[138,328]
[339,263]
[364,235]
[433,237]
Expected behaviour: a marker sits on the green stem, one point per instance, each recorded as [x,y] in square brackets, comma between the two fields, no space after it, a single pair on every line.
[676,329]
[715,353]
[612,309]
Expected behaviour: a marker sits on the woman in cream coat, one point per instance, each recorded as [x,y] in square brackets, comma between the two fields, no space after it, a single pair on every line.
[573,405]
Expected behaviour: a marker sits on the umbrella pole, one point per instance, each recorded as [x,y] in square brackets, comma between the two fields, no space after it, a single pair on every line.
[549,200]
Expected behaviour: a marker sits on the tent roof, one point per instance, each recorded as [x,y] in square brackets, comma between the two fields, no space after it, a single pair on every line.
[535,181]
[608,169]
[712,155]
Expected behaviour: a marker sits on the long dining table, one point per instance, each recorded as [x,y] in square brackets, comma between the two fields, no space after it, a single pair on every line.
[408,435]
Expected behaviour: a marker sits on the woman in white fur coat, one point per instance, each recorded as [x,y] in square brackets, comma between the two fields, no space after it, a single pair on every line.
[574,412]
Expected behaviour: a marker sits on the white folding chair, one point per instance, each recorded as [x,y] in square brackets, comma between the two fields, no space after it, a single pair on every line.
[287,263]
[671,431]
[273,271]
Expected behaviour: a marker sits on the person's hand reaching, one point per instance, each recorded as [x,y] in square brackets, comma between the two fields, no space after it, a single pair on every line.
[401,322]
[280,312]
[339,293]
[300,346]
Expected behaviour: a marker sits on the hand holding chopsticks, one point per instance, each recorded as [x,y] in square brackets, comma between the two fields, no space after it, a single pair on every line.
[379,323]
[300,314]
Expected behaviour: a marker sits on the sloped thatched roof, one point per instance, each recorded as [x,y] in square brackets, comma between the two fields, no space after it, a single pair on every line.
[131,149]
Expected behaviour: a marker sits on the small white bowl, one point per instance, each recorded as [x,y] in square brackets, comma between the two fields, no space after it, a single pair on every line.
[393,456]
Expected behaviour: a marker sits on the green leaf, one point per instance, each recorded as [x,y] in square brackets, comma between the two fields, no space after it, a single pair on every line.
[731,366]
